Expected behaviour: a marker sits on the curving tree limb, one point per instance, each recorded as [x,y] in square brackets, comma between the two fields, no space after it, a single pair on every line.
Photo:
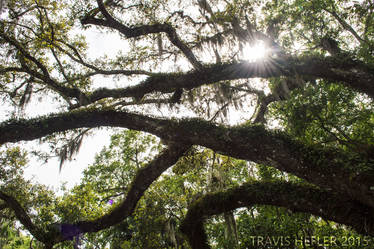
[144,178]
[22,216]
[326,168]
[352,73]
[296,197]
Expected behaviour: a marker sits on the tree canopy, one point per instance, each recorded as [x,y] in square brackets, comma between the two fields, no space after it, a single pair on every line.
[213,135]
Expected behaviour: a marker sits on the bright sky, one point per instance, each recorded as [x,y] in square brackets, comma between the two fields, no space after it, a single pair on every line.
[49,174]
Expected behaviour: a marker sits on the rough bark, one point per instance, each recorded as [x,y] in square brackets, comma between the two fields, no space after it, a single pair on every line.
[336,69]
[296,197]
[22,216]
[328,168]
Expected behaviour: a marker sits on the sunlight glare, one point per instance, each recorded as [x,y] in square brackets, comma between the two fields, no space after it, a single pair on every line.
[254,52]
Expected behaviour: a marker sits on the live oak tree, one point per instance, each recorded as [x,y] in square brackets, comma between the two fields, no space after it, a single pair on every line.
[305,107]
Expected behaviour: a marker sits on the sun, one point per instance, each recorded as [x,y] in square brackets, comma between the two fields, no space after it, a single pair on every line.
[255,52]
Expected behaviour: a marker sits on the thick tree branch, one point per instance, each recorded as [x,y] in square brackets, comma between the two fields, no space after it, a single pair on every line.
[296,197]
[22,216]
[331,169]
[144,178]
[353,73]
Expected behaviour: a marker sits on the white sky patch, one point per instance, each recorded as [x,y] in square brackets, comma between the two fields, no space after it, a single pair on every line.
[99,44]
[255,52]
[103,43]
[71,172]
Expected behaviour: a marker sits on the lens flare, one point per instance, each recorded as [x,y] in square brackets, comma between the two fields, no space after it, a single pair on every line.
[255,52]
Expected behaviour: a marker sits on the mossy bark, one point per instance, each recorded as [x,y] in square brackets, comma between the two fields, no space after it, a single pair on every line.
[349,174]
[296,197]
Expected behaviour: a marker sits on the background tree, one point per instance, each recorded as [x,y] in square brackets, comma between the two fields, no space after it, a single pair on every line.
[183,74]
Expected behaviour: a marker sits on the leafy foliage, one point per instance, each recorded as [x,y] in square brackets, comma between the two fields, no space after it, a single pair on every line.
[331,115]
